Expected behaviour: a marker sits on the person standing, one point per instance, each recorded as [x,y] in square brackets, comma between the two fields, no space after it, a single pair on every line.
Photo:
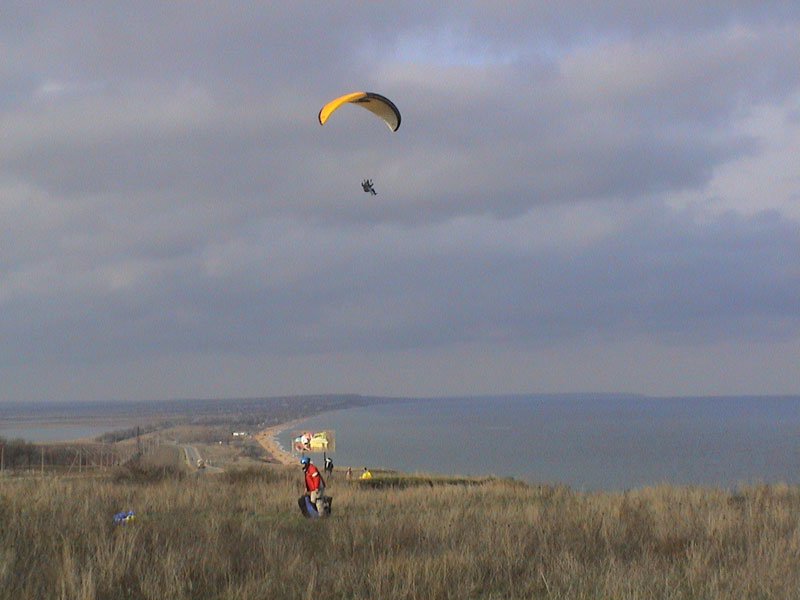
[315,484]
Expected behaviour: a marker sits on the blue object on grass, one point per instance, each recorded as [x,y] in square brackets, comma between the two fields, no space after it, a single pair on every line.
[124,517]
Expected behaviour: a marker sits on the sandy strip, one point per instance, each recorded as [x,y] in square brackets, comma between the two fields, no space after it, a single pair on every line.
[267,440]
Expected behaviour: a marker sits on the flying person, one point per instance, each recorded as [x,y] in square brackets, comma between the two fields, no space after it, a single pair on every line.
[378,105]
[369,187]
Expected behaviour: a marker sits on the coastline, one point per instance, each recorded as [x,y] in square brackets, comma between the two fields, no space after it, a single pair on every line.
[268,440]
[405,437]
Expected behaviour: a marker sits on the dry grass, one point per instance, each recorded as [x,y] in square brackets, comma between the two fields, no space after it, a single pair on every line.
[239,535]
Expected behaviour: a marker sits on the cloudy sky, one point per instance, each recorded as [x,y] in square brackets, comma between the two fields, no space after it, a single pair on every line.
[582,196]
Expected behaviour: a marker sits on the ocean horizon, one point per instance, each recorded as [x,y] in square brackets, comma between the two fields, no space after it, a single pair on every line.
[589,442]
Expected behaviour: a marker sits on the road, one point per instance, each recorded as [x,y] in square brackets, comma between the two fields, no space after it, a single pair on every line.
[193,455]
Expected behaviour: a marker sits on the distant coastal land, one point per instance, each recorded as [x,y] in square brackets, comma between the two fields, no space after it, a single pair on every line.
[56,437]
[251,414]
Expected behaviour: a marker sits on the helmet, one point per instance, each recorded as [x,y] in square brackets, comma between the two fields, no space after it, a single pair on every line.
[305,460]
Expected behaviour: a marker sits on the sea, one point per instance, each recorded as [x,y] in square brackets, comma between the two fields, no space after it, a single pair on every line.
[38,432]
[588,442]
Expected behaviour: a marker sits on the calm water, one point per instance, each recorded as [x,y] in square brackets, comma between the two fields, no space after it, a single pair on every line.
[588,442]
[52,433]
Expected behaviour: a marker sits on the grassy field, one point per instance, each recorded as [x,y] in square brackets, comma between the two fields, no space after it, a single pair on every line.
[239,535]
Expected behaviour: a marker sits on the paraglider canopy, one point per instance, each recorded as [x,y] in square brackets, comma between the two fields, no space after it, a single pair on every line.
[375,103]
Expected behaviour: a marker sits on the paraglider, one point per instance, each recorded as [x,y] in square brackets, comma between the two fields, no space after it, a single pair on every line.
[369,187]
[375,103]
[378,105]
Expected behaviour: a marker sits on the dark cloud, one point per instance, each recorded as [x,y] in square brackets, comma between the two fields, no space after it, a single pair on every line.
[165,189]
[616,119]
[663,275]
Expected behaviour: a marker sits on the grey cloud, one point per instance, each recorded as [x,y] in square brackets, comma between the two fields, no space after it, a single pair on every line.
[663,275]
[165,189]
[621,121]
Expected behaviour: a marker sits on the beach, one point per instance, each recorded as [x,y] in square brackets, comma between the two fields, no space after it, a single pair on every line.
[267,439]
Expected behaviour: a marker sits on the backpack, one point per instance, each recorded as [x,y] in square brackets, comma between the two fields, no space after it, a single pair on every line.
[310,511]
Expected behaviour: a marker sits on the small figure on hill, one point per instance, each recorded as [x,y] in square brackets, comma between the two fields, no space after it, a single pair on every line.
[348,474]
[315,484]
[328,466]
[366,474]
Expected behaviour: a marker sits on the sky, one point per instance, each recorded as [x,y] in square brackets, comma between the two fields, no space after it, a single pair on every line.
[581,197]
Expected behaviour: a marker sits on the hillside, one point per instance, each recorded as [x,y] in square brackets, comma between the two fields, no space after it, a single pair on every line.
[239,534]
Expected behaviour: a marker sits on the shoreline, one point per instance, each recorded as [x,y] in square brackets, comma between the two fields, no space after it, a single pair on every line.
[267,439]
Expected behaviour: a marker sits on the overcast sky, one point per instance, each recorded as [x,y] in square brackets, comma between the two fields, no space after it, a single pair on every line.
[582,196]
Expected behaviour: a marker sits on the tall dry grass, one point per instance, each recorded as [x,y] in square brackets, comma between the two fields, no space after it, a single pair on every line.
[240,535]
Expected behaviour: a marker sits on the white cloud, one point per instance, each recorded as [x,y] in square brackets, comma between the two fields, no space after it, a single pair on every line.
[770,179]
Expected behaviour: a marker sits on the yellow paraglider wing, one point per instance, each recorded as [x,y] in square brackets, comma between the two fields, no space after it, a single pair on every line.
[375,103]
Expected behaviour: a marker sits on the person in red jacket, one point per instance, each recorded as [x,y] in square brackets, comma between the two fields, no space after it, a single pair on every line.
[315,484]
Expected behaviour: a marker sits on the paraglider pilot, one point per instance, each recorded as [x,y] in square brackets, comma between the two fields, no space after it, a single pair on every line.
[315,484]
[368,187]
